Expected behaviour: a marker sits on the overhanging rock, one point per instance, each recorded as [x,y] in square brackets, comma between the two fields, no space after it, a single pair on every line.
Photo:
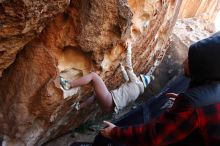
[89,36]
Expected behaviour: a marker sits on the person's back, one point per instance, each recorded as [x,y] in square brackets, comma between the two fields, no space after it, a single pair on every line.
[204,91]
[209,118]
[205,100]
[204,59]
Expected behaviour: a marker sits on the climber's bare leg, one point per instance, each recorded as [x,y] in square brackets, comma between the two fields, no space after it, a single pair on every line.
[103,96]
[87,102]
[128,65]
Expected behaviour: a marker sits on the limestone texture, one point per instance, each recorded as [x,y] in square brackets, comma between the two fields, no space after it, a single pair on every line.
[41,40]
[21,21]
[196,8]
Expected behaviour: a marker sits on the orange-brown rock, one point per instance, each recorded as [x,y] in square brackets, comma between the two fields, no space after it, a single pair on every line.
[21,21]
[89,36]
[195,8]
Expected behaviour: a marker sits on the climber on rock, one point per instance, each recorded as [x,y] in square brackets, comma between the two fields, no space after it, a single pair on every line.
[116,99]
[194,118]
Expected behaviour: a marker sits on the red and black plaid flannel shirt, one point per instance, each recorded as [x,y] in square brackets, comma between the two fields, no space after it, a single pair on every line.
[174,125]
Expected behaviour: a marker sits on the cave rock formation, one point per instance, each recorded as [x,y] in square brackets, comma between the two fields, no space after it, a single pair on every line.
[42,40]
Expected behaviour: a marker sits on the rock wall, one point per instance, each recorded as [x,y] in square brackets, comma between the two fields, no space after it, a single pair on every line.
[185,32]
[21,21]
[195,8]
[90,35]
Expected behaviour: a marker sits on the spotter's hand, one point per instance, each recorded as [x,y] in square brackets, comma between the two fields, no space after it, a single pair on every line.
[106,132]
[172,96]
